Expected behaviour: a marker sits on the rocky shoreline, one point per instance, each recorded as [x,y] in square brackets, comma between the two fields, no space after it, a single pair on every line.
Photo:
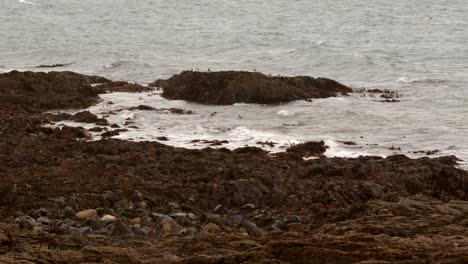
[67,200]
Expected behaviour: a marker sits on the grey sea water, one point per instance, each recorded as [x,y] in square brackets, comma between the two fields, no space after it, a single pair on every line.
[419,48]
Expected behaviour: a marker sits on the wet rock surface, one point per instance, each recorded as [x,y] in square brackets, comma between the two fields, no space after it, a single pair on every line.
[64,200]
[230,87]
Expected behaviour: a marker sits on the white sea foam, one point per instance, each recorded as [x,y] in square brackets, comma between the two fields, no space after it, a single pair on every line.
[26,2]
[285,112]
[405,79]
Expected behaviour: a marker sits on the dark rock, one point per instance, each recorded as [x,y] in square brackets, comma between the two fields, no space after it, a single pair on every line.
[79,231]
[308,149]
[220,209]
[138,231]
[119,229]
[293,219]
[252,229]
[280,225]
[43,220]
[236,219]
[87,117]
[142,108]
[94,223]
[231,87]
[247,191]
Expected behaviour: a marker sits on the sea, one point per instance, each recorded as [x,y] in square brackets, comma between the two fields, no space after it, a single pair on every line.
[417,48]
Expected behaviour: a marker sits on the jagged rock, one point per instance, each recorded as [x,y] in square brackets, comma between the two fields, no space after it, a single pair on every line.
[120,229]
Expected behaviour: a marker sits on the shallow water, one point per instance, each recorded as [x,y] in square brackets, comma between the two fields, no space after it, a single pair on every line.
[382,44]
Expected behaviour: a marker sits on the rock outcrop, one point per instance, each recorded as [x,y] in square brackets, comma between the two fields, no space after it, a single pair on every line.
[230,87]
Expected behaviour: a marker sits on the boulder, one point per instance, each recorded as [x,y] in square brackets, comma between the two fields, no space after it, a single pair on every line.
[230,87]
[246,191]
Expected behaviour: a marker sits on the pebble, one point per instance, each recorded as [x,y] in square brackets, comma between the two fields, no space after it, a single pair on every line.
[220,209]
[86,214]
[26,220]
[157,216]
[43,220]
[212,216]
[136,220]
[43,212]
[138,231]
[293,219]
[184,215]
[79,231]
[248,206]
[108,219]
[253,229]
[237,219]
[174,206]
[188,231]
[19,214]
[280,225]
[211,228]
[68,212]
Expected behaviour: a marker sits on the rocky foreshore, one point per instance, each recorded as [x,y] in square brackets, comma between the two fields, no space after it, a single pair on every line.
[67,200]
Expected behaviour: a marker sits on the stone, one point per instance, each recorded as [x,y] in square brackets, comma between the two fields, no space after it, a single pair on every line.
[83,215]
[188,231]
[79,231]
[43,220]
[68,212]
[138,231]
[212,216]
[42,212]
[19,214]
[248,206]
[167,227]
[26,220]
[157,216]
[293,219]
[220,209]
[174,206]
[236,219]
[252,229]
[280,225]
[136,220]
[246,191]
[119,229]
[211,228]
[108,219]
[184,215]
[94,223]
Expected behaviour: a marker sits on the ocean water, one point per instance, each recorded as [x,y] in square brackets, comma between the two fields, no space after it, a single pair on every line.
[418,48]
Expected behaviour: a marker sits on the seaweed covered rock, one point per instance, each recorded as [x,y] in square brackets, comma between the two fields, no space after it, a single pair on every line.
[54,90]
[230,87]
